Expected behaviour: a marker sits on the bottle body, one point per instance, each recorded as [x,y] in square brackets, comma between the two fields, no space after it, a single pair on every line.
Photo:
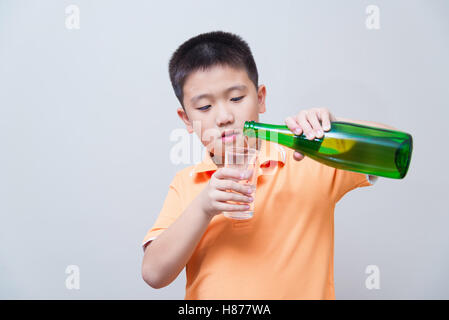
[346,146]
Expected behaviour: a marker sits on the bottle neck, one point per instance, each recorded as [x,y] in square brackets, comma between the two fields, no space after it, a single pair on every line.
[280,134]
[255,129]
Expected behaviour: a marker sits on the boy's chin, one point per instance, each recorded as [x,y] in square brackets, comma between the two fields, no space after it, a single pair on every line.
[219,148]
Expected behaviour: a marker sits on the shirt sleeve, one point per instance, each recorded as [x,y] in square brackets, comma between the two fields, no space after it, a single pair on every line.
[171,210]
[345,181]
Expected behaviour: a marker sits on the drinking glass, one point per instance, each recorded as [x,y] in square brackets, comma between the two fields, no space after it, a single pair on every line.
[244,159]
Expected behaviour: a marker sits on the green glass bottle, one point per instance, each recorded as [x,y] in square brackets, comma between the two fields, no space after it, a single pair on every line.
[346,146]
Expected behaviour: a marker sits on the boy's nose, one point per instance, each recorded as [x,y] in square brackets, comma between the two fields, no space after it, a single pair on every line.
[224,117]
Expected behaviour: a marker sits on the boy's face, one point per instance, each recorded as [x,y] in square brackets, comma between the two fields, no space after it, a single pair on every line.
[217,101]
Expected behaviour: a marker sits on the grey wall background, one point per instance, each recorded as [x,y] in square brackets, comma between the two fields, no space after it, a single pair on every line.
[86,115]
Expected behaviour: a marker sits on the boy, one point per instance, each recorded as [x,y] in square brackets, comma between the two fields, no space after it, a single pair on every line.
[285,251]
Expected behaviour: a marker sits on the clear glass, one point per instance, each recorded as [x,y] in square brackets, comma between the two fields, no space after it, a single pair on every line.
[243,158]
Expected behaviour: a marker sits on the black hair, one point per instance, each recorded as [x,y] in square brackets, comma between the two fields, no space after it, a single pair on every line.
[207,50]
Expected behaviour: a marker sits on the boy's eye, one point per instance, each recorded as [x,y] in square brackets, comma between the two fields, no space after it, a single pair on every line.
[237,99]
[205,107]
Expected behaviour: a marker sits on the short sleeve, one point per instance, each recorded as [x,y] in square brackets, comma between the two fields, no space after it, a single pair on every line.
[345,181]
[171,209]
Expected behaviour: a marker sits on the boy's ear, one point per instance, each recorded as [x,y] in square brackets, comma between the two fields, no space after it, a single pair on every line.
[183,115]
[261,94]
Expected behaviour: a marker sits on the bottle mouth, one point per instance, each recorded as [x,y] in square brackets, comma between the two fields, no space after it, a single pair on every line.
[248,125]
[248,129]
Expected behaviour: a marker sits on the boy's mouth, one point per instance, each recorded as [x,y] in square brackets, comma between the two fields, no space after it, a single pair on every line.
[229,135]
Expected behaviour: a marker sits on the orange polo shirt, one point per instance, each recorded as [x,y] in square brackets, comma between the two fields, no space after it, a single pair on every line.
[286,251]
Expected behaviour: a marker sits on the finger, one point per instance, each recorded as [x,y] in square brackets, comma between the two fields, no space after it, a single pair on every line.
[305,125]
[298,156]
[232,196]
[316,126]
[222,206]
[293,125]
[225,185]
[244,175]
[324,116]
[231,173]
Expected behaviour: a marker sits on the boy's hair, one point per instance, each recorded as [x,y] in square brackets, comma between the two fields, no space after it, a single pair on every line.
[207,50]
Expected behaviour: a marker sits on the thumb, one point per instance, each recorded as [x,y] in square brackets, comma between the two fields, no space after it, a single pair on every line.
[298,156]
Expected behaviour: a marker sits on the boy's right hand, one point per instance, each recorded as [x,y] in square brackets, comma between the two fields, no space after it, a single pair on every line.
[213,199]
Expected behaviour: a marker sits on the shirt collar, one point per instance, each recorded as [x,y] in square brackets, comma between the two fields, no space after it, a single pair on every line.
[269,151]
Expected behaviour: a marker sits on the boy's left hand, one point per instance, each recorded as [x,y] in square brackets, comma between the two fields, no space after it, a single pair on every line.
[308,121]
